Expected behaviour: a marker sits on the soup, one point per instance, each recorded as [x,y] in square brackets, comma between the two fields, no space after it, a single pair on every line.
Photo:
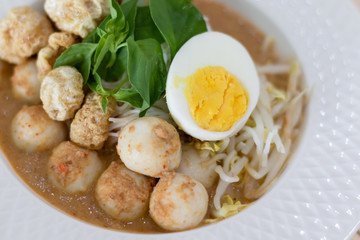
[33,166]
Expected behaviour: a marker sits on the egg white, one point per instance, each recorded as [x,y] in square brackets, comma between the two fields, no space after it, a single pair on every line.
[210,49]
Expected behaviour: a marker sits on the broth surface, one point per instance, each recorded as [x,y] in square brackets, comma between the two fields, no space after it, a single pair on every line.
[32,167]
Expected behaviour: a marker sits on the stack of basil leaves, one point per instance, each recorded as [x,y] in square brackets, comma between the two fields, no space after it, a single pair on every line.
[128,43]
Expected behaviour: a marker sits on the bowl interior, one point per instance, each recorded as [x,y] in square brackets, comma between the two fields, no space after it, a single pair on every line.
[263,22]
[245,8]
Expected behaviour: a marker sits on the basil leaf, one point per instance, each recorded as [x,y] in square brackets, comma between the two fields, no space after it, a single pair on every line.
[101,33]
[117,22]
[102,49]
[146,70]
[130,11]
[78,56]
[131,96]
[145,26]
[110,42]
[104,103]
[95,85]
[119,67]
[177,20]
[94,36]
[102,70]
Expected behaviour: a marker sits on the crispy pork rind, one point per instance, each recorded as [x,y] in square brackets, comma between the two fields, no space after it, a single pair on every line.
[57,44]
[79,17]
[22,34]
[62,93]
[90,127]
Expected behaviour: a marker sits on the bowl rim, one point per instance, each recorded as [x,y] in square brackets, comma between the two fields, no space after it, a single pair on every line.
[304,15]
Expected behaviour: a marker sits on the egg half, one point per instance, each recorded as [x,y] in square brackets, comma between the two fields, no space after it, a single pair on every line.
[212,86]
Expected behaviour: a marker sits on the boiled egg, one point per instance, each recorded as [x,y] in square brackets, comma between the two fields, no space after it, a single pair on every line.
[212,86]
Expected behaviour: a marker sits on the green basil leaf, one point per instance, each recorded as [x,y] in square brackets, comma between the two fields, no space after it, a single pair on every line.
[177,20]
[146,70]
[100,32]
[94,36]
[109,43]
[119,67]
[130,11]
[112,70]
[129,95]
[78,56]
[104,103]
[95,85]
[112,52]
[117,22]
[102,70]
[121,37]
[102,49]
[145,27]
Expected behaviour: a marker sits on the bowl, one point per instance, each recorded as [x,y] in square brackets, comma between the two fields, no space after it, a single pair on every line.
[318,194]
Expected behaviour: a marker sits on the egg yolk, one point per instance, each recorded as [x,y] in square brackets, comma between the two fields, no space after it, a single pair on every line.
[216,98]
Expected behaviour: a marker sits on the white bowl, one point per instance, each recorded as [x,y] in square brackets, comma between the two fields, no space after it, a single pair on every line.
[318,195]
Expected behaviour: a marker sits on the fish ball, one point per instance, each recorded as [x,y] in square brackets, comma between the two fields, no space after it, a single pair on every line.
[178,202]
[33,130]
[123,194]
[149,146]
[194,166]
[72,168]
[25,82]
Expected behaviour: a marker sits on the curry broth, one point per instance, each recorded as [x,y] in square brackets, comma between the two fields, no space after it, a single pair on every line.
[32,167]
